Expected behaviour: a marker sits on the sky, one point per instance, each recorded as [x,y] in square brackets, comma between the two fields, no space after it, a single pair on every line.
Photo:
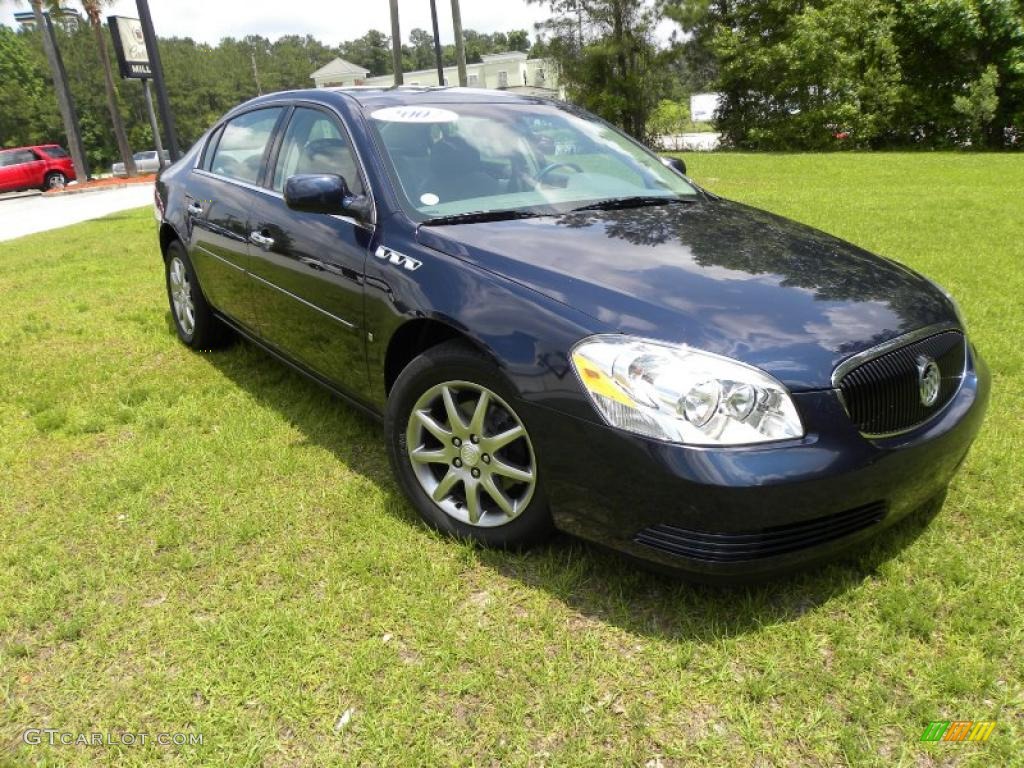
[330,21]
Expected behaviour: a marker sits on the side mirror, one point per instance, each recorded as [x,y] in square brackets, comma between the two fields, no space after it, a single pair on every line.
[325,193]
[675,164]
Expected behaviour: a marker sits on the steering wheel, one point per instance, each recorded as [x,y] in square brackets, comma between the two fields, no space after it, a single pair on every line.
[553,166]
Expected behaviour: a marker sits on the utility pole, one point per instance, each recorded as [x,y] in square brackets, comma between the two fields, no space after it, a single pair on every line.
[460,44]
[437,43]
[396,44]
[60,84]
[158,78]
[255,72]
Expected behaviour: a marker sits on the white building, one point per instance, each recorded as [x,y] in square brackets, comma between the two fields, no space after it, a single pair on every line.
[339,73]
[63,16]
[511,71]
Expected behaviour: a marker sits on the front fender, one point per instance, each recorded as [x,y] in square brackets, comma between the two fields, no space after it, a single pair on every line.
[528,334]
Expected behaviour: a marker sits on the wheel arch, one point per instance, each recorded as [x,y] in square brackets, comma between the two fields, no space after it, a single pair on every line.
[416,336]
[168,234]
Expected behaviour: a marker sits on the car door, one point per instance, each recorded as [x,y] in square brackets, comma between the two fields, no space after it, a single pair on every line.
[308,267]
[35,168]
[219,198]
[10,175]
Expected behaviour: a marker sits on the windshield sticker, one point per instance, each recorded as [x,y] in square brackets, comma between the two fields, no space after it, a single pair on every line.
[411,114]
[429,198]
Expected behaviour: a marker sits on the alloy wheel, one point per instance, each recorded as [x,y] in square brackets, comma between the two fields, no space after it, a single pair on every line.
[471,454]
[181,296]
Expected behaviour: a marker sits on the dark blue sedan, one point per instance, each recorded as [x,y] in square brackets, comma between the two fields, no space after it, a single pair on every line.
[560,330]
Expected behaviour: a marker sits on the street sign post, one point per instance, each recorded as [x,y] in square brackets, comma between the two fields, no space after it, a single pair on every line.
[138,56]
[133,62]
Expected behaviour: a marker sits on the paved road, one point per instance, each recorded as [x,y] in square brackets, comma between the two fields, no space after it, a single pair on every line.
[28,213]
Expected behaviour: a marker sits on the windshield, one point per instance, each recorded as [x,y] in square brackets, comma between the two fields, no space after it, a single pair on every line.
[529,158]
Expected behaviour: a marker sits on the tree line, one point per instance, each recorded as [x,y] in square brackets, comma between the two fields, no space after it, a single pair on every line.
[933,73]
[793,74]
[804,74]
[204,81]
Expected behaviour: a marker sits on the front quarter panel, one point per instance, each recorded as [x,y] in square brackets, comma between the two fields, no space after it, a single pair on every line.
[527,334]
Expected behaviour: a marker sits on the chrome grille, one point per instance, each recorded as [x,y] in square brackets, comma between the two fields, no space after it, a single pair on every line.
[882,395]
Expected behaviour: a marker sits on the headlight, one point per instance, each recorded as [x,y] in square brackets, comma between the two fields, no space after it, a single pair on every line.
[683,395]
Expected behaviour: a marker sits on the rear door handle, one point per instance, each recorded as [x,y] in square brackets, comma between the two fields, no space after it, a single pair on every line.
[195,209]
[258,238]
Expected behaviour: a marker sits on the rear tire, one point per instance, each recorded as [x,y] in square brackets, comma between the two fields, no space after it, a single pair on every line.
[54,180]
[193,317]
[469,471]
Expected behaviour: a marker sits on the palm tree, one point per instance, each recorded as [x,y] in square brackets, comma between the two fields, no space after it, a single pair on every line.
[60,85]
[460,44]
[396,43]
[93,9]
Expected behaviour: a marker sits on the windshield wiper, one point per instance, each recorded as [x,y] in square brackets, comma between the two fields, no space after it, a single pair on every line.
[473,217]
[637,201]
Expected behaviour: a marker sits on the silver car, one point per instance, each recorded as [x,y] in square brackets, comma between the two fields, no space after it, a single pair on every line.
[145,162]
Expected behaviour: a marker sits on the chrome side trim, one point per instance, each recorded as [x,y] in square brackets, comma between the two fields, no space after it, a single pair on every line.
[235,182]
[221,259]
[888,346]
[271,193]
[346,323]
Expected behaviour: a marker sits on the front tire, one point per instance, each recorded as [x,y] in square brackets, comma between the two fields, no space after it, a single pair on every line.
[462,453]
[193,317]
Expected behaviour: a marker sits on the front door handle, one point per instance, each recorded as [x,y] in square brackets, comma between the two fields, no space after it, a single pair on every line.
[195,209]
[258,238]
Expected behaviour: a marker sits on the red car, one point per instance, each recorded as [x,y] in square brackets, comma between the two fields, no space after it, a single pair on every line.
[47,166]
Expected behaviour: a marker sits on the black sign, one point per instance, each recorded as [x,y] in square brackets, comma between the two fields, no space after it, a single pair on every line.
[130,47]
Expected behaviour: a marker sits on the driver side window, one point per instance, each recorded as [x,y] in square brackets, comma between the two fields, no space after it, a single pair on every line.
[314,143]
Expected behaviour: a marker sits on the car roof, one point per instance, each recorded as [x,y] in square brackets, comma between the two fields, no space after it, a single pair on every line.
[374,96]
[412,94]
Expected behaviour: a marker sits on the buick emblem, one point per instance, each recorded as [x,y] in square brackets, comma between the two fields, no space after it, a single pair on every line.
[929,378]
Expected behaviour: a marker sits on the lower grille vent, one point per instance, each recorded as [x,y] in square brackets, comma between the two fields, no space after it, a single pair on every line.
[755,545]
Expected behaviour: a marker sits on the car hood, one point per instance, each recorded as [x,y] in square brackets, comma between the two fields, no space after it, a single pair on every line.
[713,274]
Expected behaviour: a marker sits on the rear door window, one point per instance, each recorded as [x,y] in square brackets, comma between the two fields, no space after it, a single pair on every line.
[17,157]
[243,145]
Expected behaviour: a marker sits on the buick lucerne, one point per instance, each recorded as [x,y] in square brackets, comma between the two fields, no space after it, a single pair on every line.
[559,329]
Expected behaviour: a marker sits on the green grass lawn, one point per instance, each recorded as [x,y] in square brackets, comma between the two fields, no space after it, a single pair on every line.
[211,544]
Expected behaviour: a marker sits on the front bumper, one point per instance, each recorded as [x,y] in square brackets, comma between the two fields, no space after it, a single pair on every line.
[625,491]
